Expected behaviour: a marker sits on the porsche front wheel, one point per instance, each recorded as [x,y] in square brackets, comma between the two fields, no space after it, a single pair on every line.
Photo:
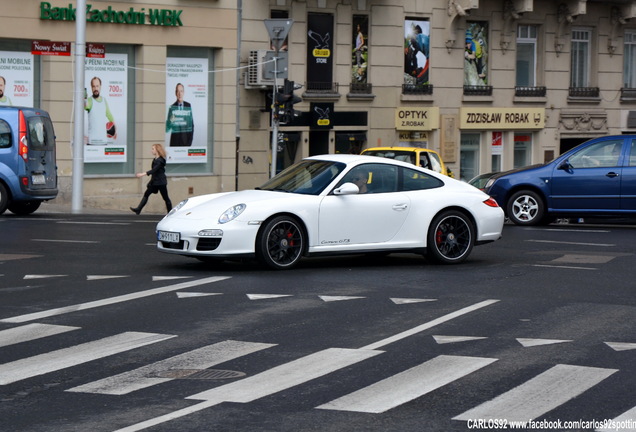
[451,237]
[280,243]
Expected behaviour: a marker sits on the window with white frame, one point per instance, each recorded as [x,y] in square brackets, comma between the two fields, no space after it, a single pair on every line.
[629,60]
[580,60]
[526,56]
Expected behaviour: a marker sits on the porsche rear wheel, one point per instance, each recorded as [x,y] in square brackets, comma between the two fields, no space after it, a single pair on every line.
[280,243]
[451,237]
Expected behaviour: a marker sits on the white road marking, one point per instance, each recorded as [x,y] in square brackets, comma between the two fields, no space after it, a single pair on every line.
[162,278]
[529,342]
[43,276]
[621,346]
[93,223]
[568,230]
[100,277]
[112,300]
[623,423]
[338,298]
[55,360]
[266,383]
[454,339]
[196,294]
[64,241]
[408,385]
[291,374]
[430,324]
[572,243]
[31,332]
[564,267]
[266,296]
[401,301]
[541,394]
[201,358]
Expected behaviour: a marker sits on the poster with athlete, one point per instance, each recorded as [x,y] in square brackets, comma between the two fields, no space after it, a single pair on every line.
[416,51]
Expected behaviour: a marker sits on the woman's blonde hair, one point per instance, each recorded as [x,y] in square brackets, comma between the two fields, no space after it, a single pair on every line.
[160,150]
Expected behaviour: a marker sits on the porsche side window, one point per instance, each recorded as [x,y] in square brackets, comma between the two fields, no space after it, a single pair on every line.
[412,180]
[372,178]
[602,154]
[5,134]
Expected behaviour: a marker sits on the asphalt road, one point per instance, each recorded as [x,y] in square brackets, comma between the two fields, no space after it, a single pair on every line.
[100,332]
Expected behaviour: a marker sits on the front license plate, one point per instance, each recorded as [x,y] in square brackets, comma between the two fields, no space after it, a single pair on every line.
[38,179]
[170,237]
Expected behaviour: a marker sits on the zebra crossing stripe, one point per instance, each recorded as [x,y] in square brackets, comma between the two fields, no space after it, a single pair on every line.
[541,394]
[201,358]
[623,423]
[31,332]
[269,382]
[408,385]
[55,360]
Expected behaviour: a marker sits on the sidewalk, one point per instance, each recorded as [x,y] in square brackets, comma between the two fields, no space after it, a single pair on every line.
[50,207]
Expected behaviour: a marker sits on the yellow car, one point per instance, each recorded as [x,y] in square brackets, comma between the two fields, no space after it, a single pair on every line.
[423,157]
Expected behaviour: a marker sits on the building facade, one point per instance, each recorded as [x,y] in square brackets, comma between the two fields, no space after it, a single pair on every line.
[490,84]
[139,55]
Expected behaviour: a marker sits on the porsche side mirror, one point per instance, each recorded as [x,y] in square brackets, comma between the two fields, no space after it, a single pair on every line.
[347,189]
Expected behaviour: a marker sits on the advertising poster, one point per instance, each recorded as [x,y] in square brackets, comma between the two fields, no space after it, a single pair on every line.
[476,54]
[319,49]
[416,51]
[359,63]
[186,110]
[16,78]
[105,108]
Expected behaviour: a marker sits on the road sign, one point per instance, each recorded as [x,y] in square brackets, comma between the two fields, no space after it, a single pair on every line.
[278,29]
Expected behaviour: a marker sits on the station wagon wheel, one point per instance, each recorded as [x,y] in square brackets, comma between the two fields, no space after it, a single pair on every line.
[4,198]
[280,243]
[525,208]
[451,237]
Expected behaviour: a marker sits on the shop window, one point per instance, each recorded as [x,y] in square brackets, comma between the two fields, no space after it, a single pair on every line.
[527,62]
[522,150]
[581,64]
[469,156]
[350,142]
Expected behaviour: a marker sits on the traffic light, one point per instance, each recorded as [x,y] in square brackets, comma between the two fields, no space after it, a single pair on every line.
[285,101]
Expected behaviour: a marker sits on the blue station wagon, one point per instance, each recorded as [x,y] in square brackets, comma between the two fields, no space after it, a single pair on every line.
[28,172]
[596,178]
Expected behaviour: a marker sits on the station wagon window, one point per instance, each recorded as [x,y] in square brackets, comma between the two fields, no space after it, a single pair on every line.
[5,134]
[603,154]
[412,180]
[632,154]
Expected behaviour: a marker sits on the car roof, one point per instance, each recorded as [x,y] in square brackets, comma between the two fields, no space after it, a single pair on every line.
[356,159]
[413,149]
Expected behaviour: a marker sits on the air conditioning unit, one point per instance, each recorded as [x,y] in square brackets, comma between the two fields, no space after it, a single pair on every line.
[260,70]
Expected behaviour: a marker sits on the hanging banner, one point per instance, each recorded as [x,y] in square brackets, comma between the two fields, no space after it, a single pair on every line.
[320,48]
[16,78]
[359,63]
[416,51]
[187,110]
[106,109]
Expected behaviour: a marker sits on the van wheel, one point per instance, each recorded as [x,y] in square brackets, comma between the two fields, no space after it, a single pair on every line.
[24,207]
[4,198]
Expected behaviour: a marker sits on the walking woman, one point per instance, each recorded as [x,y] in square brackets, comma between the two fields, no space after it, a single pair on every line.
[158,181]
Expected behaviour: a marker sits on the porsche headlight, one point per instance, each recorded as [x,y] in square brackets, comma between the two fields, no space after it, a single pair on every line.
[177,207]
[231,213]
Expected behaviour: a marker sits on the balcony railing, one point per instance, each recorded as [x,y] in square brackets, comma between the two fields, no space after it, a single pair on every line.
[584,92]
[321,87]
[417,89]
[360,88]
[524,91]
[470,90]
[628,93]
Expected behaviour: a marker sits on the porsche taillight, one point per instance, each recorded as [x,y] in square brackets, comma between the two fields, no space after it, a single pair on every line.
[490,202]
[23,148]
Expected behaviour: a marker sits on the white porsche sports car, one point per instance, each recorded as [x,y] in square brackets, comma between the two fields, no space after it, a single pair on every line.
[334,204]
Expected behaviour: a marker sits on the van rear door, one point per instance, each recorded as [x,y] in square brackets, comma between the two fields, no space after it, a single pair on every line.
[40,157]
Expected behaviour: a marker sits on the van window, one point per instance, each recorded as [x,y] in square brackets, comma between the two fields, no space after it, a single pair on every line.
[41,135]
[5,134]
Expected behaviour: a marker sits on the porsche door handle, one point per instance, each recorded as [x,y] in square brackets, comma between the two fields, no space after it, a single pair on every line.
[400,207]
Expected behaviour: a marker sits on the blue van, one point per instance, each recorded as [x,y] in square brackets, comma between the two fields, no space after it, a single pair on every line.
[28,171]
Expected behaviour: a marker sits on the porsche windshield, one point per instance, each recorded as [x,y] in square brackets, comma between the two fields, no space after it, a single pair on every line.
[308,177]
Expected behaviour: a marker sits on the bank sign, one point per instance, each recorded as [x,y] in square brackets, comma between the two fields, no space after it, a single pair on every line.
[157,17]
[502,118]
